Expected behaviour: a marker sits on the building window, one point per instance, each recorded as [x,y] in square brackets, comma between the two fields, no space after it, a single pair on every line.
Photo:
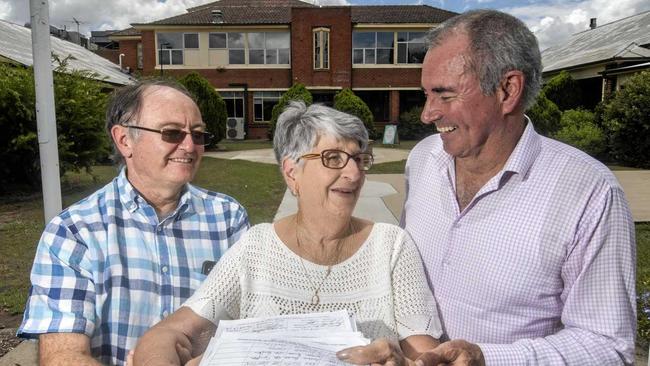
[410,47]
[378,102]
[236,49]
[138,55]
[372,47]
[170,48]
[217,40]
[270,48]
[191,40]
[263,103]
[321,48]
[234,103]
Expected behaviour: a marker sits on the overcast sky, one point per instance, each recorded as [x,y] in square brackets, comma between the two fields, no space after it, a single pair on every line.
[551,20]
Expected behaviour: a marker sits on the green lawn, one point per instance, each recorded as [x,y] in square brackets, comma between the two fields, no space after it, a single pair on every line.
[258,187]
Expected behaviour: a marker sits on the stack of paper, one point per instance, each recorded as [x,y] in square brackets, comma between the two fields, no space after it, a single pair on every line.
[305,339]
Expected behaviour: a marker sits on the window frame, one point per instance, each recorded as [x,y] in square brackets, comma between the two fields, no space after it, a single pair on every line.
[225,47]
[170,51]
[266,51]
[407,43]
[374,49]
[261,95]
[322,58]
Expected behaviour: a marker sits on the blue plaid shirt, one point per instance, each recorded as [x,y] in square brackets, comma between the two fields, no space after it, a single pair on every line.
[107,266]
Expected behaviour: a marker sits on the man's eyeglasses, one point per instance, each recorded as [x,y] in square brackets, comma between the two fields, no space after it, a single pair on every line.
[337,159]
[176,136]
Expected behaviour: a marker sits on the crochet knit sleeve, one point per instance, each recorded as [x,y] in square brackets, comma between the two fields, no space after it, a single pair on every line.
[219,296]
[415,308]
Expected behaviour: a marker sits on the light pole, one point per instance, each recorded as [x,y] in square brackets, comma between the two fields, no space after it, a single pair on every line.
[162,46]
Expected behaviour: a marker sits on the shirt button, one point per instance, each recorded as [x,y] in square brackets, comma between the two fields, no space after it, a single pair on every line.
[160,228]
[165,313]
[165,269]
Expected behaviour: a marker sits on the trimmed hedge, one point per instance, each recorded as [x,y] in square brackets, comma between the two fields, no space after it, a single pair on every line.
[346,101]
[212,107]
[296,92]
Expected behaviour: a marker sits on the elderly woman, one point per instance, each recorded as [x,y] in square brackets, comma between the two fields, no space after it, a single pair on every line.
[320,259]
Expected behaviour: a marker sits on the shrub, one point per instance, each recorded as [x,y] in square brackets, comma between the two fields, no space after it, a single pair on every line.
[80,105]
[411,127]
[213,108]
[580,130]
[545,115]
[565,92]
[346,101]
[627,122]
[296,92]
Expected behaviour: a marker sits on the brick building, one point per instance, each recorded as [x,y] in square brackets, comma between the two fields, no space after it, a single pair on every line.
[254,50]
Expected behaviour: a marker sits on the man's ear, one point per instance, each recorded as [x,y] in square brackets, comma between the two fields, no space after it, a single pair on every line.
[511,90]
[289,170]
[122,140]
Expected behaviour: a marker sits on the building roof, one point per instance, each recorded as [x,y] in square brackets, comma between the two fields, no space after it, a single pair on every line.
[238,12]
[618,40]
[128,32]
[16,45]
[400,14]
[101,36]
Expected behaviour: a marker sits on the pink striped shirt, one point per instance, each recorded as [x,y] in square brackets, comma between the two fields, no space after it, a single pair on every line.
[540,266]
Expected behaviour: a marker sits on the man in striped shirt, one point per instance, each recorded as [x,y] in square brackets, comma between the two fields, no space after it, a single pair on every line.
[112,265]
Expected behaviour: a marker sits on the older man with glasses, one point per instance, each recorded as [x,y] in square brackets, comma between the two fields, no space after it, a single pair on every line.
[112,265]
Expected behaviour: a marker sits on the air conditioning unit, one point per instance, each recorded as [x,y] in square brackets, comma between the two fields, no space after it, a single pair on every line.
[235,128]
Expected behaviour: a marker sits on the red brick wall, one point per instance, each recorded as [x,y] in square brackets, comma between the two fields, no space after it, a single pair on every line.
[130,50]
[110,55]
[384,78]
[148,52]
[303,21]
[394,105]
[221,79]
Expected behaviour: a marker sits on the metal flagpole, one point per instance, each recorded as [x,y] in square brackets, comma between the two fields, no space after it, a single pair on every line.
[45,111]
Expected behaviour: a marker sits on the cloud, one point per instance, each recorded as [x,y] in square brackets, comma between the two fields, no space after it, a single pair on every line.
[552,20]
[555,21]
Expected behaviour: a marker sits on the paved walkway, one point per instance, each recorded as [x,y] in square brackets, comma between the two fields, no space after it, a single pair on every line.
[383,195]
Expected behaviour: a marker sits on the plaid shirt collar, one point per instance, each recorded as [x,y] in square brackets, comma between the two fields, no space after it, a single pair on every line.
[133,200]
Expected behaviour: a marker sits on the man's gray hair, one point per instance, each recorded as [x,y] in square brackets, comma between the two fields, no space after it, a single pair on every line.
[299,128]
[498,43]
[125,105]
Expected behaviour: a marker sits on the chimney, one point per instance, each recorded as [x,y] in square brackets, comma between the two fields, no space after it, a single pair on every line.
[592,23]
[217,16]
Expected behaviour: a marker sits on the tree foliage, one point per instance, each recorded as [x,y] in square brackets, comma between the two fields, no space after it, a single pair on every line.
[80,105]
[579,129]
[627,122]
[212,107]
[296,92]
[411,127]
[545,115]
[346,101]
[565,92]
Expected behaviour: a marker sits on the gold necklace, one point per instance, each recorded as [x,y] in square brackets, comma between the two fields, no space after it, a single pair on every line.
[315,299]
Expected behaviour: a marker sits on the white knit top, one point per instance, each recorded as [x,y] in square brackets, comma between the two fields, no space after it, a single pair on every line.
[383,284]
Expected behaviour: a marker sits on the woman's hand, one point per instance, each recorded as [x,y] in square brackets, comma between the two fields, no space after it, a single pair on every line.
[380,352]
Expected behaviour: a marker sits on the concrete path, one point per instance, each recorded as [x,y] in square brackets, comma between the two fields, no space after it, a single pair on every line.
[389,188]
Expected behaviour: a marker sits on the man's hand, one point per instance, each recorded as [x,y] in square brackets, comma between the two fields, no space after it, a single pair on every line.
[455,353]
[379,352]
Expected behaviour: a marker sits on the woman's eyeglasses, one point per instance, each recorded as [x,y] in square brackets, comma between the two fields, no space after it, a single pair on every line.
[176,136]
[337,159]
